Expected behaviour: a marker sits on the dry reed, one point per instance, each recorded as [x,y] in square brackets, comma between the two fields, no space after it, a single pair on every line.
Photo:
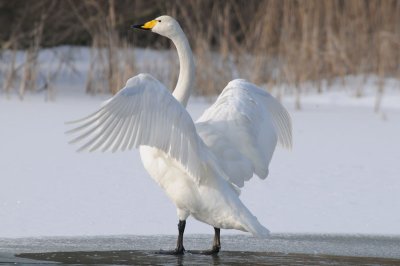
[269,42]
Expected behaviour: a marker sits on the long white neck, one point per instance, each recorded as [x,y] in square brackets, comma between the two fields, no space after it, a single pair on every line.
[186,68]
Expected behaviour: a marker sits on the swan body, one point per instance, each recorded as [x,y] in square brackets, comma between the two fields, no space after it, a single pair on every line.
[200,165]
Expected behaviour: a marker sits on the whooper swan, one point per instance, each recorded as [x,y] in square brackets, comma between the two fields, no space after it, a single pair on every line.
[202,165]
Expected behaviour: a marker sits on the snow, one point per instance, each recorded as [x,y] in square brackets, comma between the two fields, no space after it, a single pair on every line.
[342,175]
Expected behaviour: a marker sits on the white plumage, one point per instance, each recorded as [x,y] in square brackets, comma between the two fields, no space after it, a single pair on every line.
[201,166]
[143,113]
[242,128]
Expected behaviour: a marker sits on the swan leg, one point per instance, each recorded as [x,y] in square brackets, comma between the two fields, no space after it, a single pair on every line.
[179,243]
[217,240]
[179,250]
[216,245]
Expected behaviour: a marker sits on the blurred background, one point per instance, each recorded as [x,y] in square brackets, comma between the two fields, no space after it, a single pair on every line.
[288,45]
[334,64]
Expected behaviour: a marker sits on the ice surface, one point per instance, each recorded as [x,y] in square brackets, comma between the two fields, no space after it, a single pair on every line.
[279,249]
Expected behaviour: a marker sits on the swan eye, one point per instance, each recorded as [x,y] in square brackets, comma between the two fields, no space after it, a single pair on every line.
[159,20]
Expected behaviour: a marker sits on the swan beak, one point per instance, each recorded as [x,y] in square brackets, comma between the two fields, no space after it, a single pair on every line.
[146,26]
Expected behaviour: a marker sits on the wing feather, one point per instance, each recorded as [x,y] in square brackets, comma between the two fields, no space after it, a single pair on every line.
[242,129]
[143,113]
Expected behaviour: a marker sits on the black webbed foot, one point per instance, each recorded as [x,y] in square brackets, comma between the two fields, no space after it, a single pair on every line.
[213,251]
[180,250]
[177,251]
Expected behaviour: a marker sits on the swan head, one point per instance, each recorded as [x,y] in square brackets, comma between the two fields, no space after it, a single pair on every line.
[164,25]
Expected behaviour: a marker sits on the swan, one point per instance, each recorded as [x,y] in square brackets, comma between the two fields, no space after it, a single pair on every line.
[200,165]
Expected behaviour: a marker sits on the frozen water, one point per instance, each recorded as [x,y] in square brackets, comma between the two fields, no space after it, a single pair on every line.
[280,249]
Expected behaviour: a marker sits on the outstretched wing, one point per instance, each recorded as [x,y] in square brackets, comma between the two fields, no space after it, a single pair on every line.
[242,129]
[143,113]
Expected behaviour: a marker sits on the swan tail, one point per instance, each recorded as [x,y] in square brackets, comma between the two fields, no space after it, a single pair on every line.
[254,227]
[250,223]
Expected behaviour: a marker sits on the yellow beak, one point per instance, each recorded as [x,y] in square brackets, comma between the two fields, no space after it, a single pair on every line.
[146,26]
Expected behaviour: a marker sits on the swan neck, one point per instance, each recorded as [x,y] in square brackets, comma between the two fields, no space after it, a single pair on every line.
[186,69]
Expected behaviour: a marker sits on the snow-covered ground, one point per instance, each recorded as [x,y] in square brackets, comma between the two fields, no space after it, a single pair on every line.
[342,175]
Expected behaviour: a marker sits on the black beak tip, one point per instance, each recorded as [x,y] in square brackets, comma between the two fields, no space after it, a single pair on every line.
[140,27]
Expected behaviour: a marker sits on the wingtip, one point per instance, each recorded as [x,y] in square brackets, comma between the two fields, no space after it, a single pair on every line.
[74,121]
[69,132]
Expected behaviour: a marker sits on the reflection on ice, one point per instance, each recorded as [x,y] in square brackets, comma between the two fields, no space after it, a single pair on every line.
[236,249]
[225,258]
